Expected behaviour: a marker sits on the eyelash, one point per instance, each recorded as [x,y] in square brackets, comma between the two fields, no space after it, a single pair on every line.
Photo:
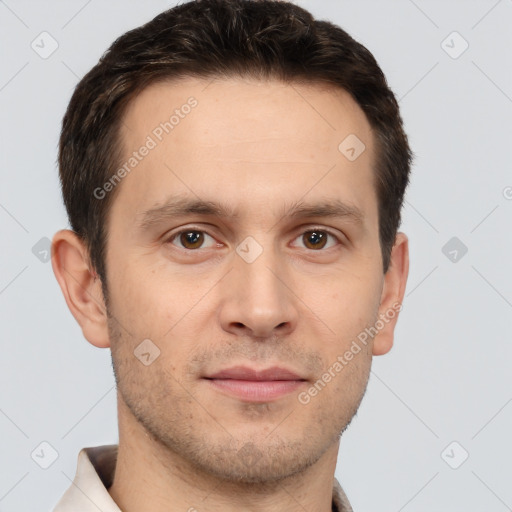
[198,230]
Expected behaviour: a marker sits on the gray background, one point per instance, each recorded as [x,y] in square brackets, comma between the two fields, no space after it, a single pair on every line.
[448,376]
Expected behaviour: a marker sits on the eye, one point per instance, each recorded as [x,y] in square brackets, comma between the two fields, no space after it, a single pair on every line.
[316,239]
[190,238]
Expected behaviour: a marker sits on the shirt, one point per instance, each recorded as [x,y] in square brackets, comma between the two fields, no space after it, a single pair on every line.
[95,474]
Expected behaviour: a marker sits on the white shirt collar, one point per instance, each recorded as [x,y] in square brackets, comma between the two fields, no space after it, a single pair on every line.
[94,474]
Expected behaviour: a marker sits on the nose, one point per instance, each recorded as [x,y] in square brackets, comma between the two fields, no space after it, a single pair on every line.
[258,299]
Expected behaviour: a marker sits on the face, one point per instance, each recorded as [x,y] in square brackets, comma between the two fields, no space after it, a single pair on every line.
[279,268]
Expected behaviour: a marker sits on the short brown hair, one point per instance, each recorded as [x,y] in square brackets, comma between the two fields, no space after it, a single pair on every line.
[265,39]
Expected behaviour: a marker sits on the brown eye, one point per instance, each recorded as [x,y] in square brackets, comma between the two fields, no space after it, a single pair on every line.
[190,239]
[315,239]
[318,239]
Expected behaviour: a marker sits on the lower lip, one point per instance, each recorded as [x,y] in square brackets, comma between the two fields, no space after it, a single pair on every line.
[256,390]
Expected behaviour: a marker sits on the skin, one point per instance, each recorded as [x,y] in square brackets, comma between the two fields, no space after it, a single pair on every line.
[257,147]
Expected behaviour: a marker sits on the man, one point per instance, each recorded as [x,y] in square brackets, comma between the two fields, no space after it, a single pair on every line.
[233,172]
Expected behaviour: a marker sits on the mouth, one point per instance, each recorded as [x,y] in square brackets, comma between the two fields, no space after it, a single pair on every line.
[251,385]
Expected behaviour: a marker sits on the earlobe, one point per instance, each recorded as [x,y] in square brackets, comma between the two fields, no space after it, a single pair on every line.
[392,295]
[80,286]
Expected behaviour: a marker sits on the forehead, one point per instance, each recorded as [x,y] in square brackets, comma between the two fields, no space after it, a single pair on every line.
[242,140]
[237,109]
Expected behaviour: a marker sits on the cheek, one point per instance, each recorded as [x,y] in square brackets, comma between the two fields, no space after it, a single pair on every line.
[172,310]
[349,313]
[351,303]
[142,299]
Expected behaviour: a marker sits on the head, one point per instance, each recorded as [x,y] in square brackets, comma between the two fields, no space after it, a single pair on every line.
[234,173]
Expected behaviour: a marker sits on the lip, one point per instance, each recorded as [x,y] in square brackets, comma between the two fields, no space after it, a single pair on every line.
[253,385]
[247,373]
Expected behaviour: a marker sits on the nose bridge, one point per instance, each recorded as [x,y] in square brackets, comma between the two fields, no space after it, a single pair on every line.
[258,298]
[259,272]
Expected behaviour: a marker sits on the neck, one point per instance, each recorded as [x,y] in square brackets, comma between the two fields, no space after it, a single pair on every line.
[150,477]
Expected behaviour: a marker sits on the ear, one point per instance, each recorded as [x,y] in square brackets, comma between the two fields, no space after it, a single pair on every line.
[392,295]
[80,286]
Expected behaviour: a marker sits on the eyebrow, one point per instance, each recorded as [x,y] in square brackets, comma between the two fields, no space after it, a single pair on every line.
[176,206]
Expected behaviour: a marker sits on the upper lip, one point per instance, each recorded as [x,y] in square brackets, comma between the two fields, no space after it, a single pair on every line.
[246,373]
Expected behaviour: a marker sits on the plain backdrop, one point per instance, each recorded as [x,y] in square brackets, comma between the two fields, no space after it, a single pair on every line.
[433,431]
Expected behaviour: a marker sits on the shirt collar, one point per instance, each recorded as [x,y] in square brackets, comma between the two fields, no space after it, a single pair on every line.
[95,474]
